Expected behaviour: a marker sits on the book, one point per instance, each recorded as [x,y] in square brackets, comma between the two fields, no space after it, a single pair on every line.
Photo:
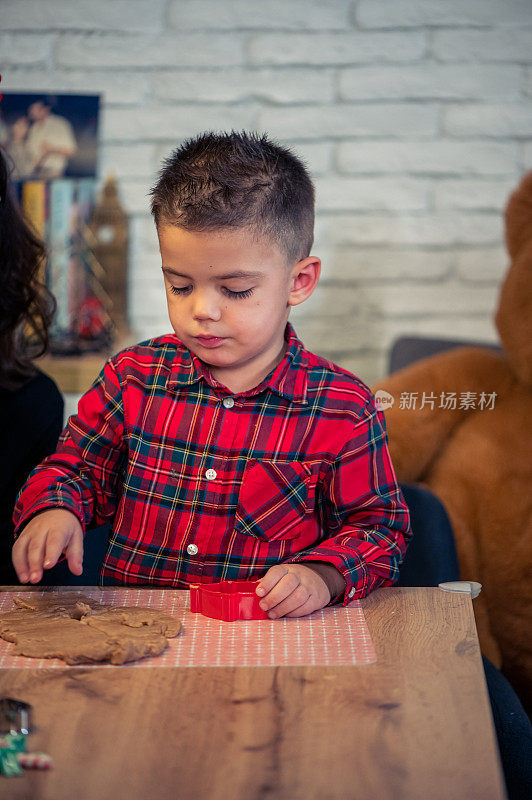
[59,278]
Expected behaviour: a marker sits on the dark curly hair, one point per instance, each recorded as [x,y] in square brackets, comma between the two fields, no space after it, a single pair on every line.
[26,305]
[238,180]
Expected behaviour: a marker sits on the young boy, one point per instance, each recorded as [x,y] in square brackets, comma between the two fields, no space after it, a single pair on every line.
[226,450]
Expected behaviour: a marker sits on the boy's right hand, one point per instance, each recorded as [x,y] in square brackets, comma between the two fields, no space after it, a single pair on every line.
[42,541]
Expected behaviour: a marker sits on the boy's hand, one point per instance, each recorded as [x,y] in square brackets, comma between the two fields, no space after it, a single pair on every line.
[42,541]
[292,590]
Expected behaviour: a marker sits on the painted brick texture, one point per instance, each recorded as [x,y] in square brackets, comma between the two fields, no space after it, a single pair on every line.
[413,116]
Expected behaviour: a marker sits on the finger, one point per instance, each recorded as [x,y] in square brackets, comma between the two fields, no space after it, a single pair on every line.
[280,591]
[55,544]
[295,600]
[19,557]
[311,605]
[35,550]
[74,553]
[272,577]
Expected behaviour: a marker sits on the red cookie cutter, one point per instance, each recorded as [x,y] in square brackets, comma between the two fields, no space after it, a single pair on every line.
[227,600]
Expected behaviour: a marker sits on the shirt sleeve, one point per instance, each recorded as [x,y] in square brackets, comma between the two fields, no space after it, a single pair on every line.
[83,474]
[367,519]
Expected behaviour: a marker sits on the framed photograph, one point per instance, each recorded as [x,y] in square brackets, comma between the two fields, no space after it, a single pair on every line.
[50,136]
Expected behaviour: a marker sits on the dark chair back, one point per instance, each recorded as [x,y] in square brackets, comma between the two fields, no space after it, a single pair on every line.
[94,549]
[408,349]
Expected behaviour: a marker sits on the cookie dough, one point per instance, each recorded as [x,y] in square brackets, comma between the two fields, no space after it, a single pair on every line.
[80,630]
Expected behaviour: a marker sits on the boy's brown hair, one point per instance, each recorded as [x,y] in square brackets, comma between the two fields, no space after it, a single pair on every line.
[238,180]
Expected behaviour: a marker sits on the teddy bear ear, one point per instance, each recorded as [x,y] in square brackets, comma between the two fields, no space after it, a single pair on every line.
[514,315]
[518,216]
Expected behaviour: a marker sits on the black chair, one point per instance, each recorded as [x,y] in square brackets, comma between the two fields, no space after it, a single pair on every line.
[408,349]
[431,556]
[94,549]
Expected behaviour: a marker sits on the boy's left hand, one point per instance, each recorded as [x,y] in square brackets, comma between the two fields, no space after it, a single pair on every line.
[292,590]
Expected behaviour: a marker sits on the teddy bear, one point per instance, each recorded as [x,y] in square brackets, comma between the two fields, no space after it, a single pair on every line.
[461,425]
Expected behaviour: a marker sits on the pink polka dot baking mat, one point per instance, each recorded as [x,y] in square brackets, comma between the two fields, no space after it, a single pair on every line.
[333,636]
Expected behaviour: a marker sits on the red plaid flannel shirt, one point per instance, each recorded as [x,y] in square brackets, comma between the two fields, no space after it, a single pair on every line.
[202,485]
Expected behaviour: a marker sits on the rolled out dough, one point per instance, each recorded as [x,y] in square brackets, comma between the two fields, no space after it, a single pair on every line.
[80,630]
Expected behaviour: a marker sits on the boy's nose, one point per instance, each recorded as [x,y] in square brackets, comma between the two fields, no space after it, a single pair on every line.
[205,306]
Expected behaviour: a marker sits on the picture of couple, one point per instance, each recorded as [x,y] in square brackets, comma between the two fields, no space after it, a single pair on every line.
[49,136]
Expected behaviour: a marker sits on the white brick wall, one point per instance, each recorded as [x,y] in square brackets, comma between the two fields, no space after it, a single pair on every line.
[414,117]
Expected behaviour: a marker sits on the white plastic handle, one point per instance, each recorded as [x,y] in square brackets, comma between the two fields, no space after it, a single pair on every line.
[470,587]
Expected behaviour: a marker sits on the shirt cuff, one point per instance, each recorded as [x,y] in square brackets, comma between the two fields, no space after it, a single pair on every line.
[47,505]
[354,570]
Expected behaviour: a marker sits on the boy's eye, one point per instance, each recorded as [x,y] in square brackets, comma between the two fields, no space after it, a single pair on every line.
[179,289]
[245,293]
[229,292]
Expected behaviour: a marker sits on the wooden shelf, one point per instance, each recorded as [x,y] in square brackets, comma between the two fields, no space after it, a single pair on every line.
[73,374]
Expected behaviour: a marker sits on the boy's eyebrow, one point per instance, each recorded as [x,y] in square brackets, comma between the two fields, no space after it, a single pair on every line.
[239,273]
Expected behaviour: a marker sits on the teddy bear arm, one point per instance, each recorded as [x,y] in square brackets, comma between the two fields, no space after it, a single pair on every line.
[430,402]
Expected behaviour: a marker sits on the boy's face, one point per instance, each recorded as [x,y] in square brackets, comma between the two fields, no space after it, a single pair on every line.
[236,291]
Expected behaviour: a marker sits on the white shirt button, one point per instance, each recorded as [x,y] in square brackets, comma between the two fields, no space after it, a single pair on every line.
[192,549]
[228,402]
[351,592]
[210,474]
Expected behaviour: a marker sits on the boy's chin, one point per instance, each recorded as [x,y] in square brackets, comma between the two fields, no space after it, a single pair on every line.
[213,356]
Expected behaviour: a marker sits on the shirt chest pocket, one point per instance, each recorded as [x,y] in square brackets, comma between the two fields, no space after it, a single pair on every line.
[275,499]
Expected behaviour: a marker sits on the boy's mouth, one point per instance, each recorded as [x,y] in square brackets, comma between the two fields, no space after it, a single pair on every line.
[209,341]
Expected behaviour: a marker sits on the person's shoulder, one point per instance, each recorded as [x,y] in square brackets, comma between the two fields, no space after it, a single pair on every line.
[59,124]
[58,119]
[39,390]
[38,400]
[157,354]
[342,378]
[343,388]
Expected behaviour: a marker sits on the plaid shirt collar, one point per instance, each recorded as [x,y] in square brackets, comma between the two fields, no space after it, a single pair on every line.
[288,378]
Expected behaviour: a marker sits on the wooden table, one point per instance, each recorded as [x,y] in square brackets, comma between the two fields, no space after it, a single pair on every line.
[413,726]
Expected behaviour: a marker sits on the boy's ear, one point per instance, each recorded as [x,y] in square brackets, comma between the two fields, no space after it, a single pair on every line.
[303,280]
